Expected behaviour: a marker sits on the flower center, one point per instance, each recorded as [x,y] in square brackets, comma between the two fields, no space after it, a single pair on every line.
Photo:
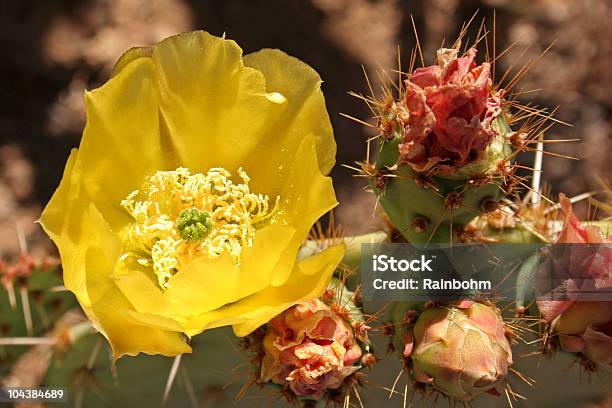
[179,217]
[193,224]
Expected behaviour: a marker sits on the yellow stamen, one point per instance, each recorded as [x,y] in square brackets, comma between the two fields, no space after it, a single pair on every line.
[179,216]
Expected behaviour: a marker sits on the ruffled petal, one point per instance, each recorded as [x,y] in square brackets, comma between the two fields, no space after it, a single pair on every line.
[89,250]
[110,308]
[308,281]
[215,109]
[122,136]
[131,55]
[63,219]
[146,296]
[257,270]
[212,98]
[125,336]
[305,196]
[205,284]
[305,113]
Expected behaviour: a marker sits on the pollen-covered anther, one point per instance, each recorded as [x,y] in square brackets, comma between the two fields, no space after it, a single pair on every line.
[179,217]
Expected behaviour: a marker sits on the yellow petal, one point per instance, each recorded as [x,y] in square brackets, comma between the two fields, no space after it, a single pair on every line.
[108,309]
[131,55]
[64,220]
[205,284]
[211,101]
[215,109]
[152,320]
[265,258]
[122,137]
[146,296]
[305,196]
[128,338]
[306,113]
[309,279]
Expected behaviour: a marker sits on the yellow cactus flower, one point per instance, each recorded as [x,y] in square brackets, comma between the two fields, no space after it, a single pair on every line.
[199,174]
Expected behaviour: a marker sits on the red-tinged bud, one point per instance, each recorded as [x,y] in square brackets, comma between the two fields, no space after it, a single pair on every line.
[461,350]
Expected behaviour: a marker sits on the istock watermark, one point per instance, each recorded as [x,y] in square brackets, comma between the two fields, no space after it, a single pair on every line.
[383,263]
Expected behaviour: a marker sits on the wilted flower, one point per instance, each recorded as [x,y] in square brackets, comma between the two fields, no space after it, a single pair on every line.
[199,175]
[311,348]
[578,308]
[461,350]
[451,110]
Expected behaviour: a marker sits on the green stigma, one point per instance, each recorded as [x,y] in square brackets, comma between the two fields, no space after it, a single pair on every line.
[194,225]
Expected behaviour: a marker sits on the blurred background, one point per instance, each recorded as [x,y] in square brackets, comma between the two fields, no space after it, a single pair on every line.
[54,49]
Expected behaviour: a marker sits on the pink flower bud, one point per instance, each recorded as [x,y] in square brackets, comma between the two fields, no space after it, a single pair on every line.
[310,348]
[462,351]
